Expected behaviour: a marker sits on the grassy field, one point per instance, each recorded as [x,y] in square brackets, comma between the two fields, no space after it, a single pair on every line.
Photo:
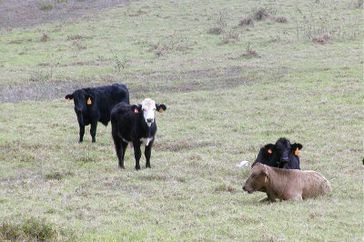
[234,76]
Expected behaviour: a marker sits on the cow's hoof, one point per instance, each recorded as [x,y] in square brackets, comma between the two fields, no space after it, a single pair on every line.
[122,167]
[137,167]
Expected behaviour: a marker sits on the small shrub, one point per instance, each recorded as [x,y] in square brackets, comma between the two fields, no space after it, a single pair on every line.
[74,37]
[169,44]
[86,159]
[247,21]
[359,4]
[221,24]
[249,52]
[154,177]
[215,30]
[224,188]
[39,229]
[44,37]
[321,39]
[261,14]
[57,175]
[119,63]
[45,6]
[281,19]
[79,45]
[31,229]
[230,36]
[41,76]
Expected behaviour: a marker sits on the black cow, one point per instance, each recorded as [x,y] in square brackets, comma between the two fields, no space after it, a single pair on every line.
[136,124]
[282,154]
[95,104]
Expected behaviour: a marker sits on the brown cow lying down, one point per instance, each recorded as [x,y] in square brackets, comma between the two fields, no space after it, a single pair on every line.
[286,184]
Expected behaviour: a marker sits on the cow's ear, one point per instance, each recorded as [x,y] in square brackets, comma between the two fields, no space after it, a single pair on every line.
[269,149]
[136,108]
[296,149]
[89,100]
[161,107]
[297,146]
[265,171]
[69,96]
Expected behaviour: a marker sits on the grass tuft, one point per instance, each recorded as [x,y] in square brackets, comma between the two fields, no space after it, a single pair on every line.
[30,229]
[321,39]
[246,21]
[58,175]
[261,14]
[225,188]
[280,19]
[45,5]
[44,37]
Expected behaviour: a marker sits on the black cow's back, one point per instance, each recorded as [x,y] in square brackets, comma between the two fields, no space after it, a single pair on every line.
[106,97]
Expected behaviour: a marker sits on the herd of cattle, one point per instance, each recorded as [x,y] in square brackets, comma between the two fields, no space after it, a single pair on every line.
[276,170]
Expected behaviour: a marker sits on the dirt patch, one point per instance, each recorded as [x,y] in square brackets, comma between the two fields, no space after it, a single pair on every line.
[139,84]
[28,13]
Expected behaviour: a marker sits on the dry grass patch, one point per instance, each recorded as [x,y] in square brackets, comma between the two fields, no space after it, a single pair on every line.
[44,37]
[261,14]
[280,19]
[31,229]
[246,21]
[58,175]
[321,39]
[225,188]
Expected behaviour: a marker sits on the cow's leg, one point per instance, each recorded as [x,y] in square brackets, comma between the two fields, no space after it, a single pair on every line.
[119,151]
[137,154]
[93,131]
[124,145]
[82,132]
[147,153]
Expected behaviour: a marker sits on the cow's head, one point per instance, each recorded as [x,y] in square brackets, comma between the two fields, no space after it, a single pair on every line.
[258,178]
[283,148]
[82,98]
[148,108]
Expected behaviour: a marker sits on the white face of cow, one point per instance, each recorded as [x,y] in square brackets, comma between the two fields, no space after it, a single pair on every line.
[148,107]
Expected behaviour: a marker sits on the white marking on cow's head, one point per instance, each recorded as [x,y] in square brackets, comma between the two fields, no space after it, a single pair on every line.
[148,108]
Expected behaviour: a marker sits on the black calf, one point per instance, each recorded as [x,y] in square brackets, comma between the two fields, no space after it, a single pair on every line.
[95,104]
[136,124]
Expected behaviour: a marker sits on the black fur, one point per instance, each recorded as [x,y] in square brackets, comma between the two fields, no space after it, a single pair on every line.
[128,125]
[94,105]
[281,154]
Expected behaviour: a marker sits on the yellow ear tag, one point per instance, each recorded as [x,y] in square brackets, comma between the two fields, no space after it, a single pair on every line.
[89,102]
[297,152]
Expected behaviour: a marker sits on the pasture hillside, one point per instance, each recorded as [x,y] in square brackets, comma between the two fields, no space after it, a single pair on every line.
[234,76]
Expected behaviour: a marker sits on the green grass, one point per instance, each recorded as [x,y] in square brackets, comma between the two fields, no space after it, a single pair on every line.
[221,108]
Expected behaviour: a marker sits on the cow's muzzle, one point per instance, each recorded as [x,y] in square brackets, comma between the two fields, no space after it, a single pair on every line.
[247,190]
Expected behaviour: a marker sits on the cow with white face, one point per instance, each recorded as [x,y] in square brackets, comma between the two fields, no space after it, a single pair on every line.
[135,124]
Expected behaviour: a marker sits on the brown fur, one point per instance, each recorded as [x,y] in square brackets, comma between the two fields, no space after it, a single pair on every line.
[286,184]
